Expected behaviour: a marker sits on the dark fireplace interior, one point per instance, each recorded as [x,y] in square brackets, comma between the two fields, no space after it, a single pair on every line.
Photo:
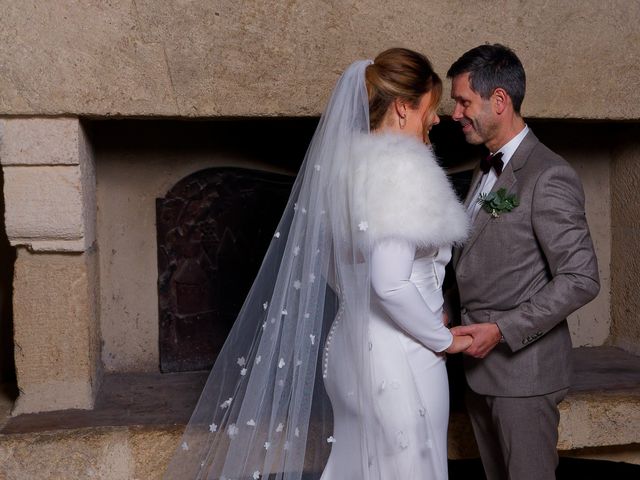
[7,260]
[213,229]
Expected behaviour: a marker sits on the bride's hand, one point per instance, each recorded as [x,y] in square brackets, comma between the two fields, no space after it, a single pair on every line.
[460,343]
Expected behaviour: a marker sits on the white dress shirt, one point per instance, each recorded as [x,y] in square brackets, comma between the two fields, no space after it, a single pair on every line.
[490,178]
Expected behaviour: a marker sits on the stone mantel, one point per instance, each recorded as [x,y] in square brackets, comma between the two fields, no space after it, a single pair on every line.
[265,58]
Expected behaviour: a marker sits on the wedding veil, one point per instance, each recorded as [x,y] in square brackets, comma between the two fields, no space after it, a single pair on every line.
[264,412]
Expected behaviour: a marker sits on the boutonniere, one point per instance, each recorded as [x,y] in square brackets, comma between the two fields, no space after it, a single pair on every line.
[498,202]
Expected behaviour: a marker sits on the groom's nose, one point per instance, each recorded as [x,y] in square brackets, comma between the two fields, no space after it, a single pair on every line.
[457,112]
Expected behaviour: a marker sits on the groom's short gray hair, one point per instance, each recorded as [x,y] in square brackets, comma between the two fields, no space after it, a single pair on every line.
[490,67]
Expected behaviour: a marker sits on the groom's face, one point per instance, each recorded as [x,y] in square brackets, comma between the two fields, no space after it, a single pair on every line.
[474,113]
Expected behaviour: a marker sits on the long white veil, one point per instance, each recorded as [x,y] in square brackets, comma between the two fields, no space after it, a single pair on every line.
[263,412]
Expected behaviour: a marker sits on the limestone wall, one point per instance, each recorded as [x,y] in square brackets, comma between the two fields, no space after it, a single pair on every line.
[49,184]
[586,147]
[258,58]
[625,233]
[50,210]
[56,345]
[265,58]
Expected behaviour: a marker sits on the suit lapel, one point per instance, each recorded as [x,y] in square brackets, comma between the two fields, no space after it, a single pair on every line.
[507,180]
[473,186]
[475,182]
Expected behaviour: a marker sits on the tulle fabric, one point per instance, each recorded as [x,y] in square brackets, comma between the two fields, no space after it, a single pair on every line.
[264,411]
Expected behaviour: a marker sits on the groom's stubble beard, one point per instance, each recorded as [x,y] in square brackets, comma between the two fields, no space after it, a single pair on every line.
[484,126]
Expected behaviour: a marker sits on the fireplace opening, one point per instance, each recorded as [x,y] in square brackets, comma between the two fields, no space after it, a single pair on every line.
[214,228]
[197,167]
[8,385]
[185,212]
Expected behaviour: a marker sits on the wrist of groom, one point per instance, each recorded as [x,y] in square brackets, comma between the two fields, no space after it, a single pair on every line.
[502,340]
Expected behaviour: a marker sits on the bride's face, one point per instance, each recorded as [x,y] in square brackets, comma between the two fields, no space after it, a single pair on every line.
[421,119]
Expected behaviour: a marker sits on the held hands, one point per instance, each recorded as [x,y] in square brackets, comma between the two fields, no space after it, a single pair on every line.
[460,343]
[485,337]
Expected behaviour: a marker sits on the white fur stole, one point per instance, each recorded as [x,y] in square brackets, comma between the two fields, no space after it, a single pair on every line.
[400,191]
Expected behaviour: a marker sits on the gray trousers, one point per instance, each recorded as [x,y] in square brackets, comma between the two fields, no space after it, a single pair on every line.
[517,436]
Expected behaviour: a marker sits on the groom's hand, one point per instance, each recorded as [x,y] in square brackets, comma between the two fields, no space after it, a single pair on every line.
[485,337]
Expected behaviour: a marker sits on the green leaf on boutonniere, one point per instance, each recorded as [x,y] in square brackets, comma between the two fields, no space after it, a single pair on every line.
[498,202]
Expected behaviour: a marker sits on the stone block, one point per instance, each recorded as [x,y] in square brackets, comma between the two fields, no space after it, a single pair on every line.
[49,184]
[44,207]
[264,58]
[93,56]
[55,331]
[40,141]
[98,454]
[106,453]
[149,464]
[598,419]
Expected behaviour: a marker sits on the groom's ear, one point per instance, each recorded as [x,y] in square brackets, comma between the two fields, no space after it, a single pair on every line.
[500,100]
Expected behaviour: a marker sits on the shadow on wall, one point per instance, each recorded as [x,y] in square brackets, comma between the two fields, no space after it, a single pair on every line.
[7,260]
[569,468]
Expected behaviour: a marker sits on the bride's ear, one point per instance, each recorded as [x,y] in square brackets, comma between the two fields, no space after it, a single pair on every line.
[400,108]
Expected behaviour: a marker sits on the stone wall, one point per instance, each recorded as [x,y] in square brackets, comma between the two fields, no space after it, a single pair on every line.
[55,325]
[587,148]
[65,59]
[625,233]
[50,212]
[265,58]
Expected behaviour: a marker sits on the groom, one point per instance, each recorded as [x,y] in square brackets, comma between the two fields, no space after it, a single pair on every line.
[528,263]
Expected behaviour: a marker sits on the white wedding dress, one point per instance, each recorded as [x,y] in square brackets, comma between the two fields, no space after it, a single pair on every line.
[412,236]
[406,331]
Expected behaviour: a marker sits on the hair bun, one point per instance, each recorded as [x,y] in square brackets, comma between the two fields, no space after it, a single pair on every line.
[398,73]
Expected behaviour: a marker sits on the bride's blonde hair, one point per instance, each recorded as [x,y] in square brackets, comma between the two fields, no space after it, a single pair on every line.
[399,73]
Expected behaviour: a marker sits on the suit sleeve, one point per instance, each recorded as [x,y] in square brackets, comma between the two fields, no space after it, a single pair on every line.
[560,226]
[391,264]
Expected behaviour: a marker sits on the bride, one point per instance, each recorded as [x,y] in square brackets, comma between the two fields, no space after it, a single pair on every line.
[347,304]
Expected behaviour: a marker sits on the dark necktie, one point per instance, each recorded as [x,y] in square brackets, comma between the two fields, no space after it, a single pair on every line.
[494,161]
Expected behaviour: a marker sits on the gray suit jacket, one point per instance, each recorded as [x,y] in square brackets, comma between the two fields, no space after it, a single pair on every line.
[527,270]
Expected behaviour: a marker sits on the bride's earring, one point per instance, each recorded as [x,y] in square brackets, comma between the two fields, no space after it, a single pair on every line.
[402,120]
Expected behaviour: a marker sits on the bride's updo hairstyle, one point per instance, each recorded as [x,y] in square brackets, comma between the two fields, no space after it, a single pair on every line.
[399,73]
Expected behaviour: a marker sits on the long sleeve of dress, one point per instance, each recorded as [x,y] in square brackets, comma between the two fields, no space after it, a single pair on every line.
[391,265]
